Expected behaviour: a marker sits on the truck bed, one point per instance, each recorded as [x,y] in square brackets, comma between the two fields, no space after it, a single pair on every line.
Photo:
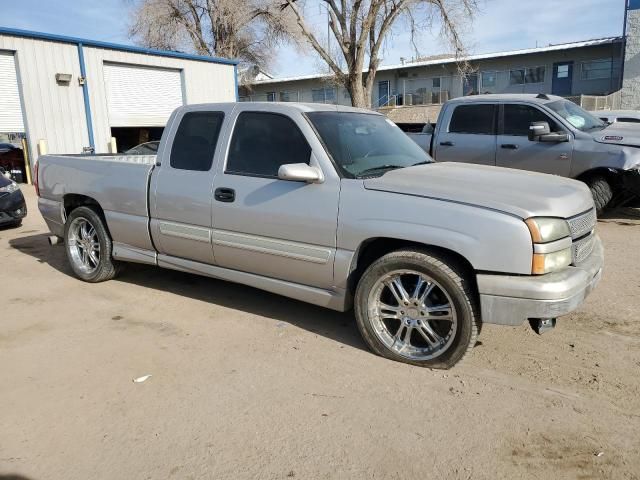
[118,183]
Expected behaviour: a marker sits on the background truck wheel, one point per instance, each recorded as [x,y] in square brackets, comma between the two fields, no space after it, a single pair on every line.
[601,191]
[417,307]
[89,246]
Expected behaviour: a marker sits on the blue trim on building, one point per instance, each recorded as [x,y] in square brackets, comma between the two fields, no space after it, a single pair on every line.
[235,80]
[634,5]
[15,32]
[85,94]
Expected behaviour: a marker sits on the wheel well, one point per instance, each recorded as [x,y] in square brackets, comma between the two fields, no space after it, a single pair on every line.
[374,248]
[612,176]
[74,200]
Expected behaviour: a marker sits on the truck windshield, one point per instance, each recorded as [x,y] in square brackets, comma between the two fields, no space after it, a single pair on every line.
[576,116]
[364,144]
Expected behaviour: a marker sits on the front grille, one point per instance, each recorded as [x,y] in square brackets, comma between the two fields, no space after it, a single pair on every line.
[582,224]
[582,248]
[582,227]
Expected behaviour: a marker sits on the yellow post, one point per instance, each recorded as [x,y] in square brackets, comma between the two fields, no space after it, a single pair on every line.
[25,154]
[42,147]
[113,146]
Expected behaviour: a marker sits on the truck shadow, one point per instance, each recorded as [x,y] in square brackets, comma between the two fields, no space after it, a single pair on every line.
[337,326]
[628,216]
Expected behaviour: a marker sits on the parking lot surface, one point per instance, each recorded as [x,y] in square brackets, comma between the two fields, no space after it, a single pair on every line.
[246,384]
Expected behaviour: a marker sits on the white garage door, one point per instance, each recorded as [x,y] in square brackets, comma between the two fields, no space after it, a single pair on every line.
[140,96]
[10,108]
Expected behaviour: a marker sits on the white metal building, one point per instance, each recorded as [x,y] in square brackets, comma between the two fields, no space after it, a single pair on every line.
[76,94]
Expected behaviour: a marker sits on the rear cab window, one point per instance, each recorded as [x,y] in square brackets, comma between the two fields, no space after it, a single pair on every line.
[475,119]
[195,142]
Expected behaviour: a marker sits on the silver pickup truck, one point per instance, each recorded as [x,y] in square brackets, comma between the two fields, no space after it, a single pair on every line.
[337,207]
[540,133]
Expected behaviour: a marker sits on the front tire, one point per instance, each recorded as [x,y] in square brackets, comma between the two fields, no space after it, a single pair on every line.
[601,191]
[417,307]
[88,246]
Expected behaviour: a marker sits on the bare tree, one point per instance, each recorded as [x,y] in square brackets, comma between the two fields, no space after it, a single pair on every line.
[246,30]
[360,27]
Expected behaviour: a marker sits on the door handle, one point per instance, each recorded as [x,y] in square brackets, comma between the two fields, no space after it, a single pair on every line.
[510,146]
[224,194]
[447,144]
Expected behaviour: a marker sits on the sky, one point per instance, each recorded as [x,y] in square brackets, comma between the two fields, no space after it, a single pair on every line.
[499,25]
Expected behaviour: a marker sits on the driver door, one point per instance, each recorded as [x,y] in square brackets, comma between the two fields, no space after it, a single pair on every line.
[515,150]
[267,226]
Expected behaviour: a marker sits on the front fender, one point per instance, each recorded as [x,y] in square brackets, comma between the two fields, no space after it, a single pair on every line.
[489,240]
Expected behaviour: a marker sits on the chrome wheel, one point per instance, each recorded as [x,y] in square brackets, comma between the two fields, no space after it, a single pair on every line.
[84,245]
[412,314]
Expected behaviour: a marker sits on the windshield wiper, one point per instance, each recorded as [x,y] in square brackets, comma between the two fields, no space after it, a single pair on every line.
[370,171]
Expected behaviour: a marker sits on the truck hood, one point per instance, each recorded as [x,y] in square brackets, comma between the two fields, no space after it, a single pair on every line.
[619,134]
[517,192]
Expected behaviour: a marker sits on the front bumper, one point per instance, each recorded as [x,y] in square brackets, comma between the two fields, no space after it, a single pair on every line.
[510,300]
[12,207]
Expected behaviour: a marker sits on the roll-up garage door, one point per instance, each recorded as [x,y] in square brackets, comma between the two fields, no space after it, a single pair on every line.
[10,107]
[140,96]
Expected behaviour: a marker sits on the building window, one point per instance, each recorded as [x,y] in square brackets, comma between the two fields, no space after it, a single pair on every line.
[288,96]
[489,79]
[528,75]
[563,71]
[323,95]
[596,69]
[436,82]
[535,75]
[516,77]
[271,96]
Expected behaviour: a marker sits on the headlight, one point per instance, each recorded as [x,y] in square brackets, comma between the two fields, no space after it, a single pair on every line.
[547,229]
[12,187]
[551,262]
[552,241]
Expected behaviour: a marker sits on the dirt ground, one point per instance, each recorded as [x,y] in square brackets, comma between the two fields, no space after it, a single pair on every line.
[246,384]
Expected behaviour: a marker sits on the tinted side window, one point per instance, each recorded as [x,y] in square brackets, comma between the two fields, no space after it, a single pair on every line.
[477,119]
[262,142]
[195,142]
[628,120]
[518,118]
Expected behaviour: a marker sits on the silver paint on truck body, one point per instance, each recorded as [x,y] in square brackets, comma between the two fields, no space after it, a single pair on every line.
[302,240]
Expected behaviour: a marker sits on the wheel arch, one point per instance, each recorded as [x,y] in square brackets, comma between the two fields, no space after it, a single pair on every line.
[71,201]
[372,249]
[612,175]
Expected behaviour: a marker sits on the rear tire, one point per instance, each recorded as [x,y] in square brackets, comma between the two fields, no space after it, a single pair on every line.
[435,329]
[601,191]
[89,246]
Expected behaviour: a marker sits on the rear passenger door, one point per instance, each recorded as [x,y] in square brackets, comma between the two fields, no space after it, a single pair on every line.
[515,150]
[468,134]
[181,190]
[267,226]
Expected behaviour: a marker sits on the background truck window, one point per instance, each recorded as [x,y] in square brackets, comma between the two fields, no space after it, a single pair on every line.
[476,119]
[518,119]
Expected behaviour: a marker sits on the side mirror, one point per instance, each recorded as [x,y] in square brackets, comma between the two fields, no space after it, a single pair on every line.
[300,172]
[537,129]
[554,137]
